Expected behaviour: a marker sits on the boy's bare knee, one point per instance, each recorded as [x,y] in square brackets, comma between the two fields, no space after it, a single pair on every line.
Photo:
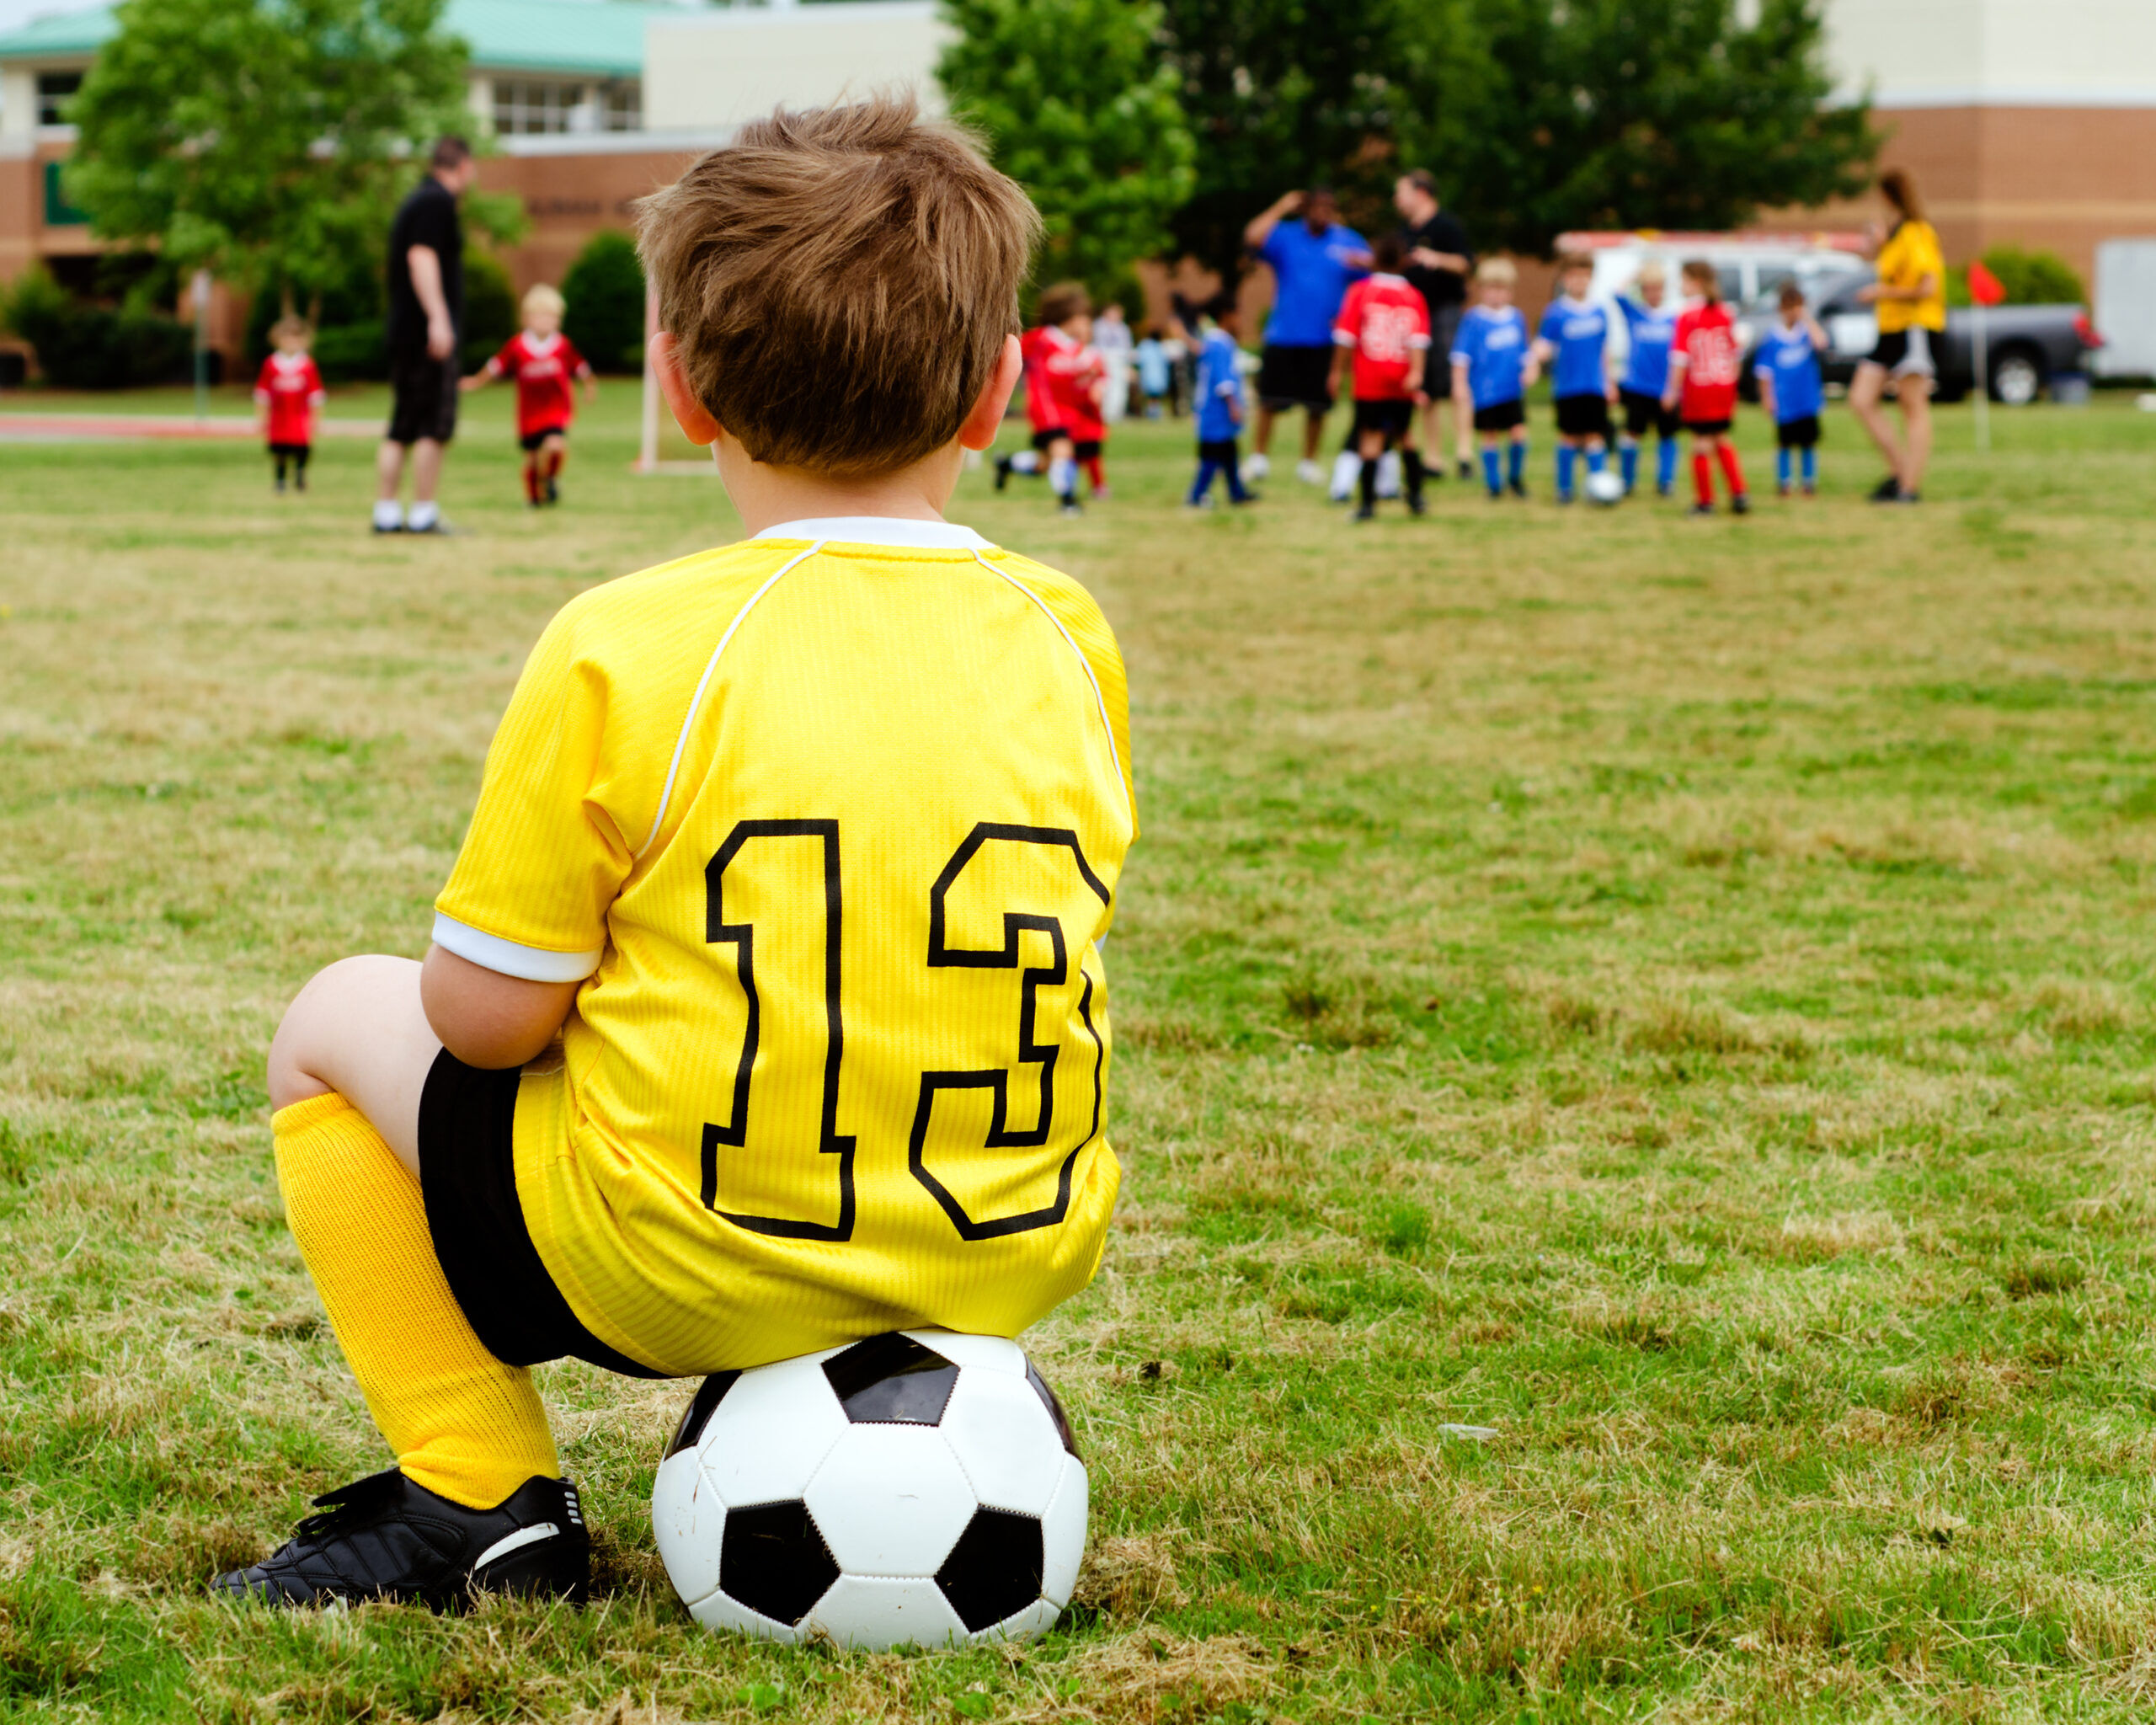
[322,1012]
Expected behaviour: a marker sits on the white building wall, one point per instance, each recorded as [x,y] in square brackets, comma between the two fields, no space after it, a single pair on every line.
[713,69]
[1999,53]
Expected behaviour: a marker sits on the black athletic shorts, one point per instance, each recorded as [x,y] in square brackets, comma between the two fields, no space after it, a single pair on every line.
[1295,377]
[467,1179]
[1502,415]
[1645,413]
[1054,434]
[1583,416]
[1904,353]
[1225,450]
[531,440]
[424,390]
[1392,417]
[1707,428]
[291,449]
[1797,434]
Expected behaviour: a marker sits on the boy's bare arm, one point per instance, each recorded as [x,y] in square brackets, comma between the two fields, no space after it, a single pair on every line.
[487,1019]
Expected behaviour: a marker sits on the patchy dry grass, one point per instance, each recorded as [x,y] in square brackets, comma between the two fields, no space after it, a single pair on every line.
[1674,999]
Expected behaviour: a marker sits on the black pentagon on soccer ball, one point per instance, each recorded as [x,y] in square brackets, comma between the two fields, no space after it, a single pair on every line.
[995,1570]
[1054,1408]
[697,1414]
[772,1559]
[892,1379]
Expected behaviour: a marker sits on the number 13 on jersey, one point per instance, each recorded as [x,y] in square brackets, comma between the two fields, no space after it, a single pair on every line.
[960,1064]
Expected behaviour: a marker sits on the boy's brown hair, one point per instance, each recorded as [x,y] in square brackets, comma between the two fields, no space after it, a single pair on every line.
[1062,302]
[840,281]
[1792,296]
[292,327]
[1569,261]
[1700,274]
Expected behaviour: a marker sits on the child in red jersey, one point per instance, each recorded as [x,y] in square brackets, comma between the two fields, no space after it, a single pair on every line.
[1065,376]
[288,391]
[1384,324]
[1704,364]
[547,367]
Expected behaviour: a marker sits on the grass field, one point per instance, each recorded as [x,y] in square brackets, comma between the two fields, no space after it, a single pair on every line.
[1677,995]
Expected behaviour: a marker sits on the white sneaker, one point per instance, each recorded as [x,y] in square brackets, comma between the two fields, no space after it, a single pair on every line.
[1255,466]
[1389,473]
[1347,468]
[1309,472]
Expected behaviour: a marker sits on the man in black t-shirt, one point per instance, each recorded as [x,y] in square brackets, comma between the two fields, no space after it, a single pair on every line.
[1439,264]
[426,321]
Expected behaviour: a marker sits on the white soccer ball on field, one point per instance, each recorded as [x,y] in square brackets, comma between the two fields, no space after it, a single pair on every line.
[917,1488]
[1604,488]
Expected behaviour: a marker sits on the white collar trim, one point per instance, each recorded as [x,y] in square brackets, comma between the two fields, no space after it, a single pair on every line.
[882,529]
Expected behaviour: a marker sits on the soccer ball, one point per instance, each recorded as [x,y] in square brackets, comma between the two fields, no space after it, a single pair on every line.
[918,1487]
[1605,488]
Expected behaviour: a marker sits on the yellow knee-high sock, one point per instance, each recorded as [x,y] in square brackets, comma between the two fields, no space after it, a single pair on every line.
[462,1423]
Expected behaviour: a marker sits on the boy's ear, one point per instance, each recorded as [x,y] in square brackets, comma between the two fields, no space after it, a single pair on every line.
[691,415]
[981,424]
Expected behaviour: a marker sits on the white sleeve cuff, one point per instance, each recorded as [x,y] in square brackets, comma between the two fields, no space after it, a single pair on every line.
[490,951]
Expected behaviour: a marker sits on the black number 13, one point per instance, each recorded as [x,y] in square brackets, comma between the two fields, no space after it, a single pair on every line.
[732,1132]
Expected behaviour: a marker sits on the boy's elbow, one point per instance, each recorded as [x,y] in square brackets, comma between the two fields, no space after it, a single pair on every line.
[486,1019]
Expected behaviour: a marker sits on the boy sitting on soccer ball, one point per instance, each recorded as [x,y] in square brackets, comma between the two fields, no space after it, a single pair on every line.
[765,1009]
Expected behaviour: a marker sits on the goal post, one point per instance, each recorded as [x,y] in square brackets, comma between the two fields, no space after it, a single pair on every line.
[648,452]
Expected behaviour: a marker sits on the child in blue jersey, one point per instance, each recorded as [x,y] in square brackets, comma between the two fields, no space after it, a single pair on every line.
[1650,321]
[1575,335]
[1220,405]
[1788,371]
[1493,367]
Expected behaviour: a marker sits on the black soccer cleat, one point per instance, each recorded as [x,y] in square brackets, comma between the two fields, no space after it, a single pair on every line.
[1741,504]
[1365,512]
[1887,490]
[1002,472]
[1700,509]
[1517,487]
[554,491]
[386,1538]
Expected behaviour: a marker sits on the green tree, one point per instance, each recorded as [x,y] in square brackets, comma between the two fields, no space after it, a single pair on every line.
[604,290]
[1077,107]
[1540,117]
[1282,93]
[267,141]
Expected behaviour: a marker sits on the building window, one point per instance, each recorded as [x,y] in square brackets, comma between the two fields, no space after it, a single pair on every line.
[53,90]
[525,106]
[623,111]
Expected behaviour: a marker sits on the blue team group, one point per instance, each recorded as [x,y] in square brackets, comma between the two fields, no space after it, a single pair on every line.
[1622,371]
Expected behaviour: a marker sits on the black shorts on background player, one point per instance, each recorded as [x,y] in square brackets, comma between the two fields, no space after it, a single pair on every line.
[1583,416]
[424,397]
[1501,416]
[1083,449]
[1390,416]
[1295,377]
[529,442]
[1645,413]
[1797,434]
[1707,428]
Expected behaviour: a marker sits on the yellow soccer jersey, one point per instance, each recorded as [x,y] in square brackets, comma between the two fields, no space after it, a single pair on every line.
[1911,254]
[829,823]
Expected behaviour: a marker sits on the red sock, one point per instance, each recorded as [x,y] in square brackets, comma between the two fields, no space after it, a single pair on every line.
[531,479]
[1703,478]
[1093,474]
[1731,470]
[554,463]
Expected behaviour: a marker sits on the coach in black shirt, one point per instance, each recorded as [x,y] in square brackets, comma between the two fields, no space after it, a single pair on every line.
[1439,261]
[426,321]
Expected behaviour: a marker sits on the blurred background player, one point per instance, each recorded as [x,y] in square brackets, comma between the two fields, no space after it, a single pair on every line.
[1493,367]
[1221,405]
[1313,259]
[1575,334]
[1704,363]
[1439,261]
[547,367]
[288,391]
[1788,371]
[1652,323]
[1111,336]
[1062,369]
[1384,326]
[1150,358]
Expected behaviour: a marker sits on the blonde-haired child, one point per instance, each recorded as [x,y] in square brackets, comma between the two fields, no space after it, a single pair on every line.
[547,366]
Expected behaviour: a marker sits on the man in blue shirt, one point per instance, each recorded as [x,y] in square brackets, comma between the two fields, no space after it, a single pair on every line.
[1788,371]
[1313,259]
[1220,404]
[1651,320]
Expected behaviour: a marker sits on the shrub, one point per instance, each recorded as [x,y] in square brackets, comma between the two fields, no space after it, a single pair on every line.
[352,352]
[490,313]
[84,346]
[2030,277]
[604,290]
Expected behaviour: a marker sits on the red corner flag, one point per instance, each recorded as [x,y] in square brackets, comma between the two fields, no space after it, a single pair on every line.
[1985,288]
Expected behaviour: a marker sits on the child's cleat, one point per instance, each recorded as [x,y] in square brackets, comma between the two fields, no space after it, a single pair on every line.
[553,492]
[386,1538]
[1002,472]
[1309,472]
[1464,470]
[1781,488]
[1365,512]
[1417,506]
[1517,487]
[439,527]
[1887,490]
[1199,503]
[1072,508]
[1700,509]
[1908,497]
[1664,490]
[389,526]
[1810,490]
[1740,505]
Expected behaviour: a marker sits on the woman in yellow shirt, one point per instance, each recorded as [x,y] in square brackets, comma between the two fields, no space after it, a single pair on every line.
[1911,297]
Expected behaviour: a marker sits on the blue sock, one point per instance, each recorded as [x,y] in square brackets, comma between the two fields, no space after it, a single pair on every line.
[1628,458]
[1665,464]
[1597,459]
[1516,468]
[1565,457]
[1491,475]
[1781,469]
[1811,466]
